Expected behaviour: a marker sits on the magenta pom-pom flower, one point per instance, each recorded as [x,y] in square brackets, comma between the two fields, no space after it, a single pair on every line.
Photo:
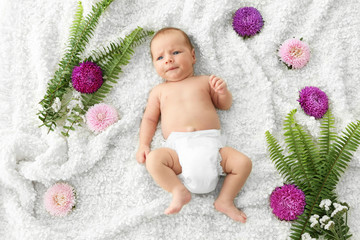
[59,199]
[294,53]
[247,21]
[313,101]
[100,116]
[287,202]
[87,77]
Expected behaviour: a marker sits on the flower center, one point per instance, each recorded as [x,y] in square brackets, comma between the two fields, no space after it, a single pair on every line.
[296,52]
[60,200]
[101,116]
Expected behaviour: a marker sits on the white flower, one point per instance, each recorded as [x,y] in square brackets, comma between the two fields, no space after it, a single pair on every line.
[329,225]
[324,220]
[326,203]
[306,236]
[338,209]
[56,105]
[314,220]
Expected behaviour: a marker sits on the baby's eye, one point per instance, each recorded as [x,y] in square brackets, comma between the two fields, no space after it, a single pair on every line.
[176,52]
[159,58]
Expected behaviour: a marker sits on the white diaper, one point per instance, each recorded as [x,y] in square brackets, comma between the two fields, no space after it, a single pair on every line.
[199,158]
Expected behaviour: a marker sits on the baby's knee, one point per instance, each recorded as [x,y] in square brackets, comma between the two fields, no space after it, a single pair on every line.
[243,163]
[159,157]
[152,159]
[247,163]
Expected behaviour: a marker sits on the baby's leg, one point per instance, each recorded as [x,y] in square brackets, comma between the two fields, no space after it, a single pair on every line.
[238,167]
[163,165]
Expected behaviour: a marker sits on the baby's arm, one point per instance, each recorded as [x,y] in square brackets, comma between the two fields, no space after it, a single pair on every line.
[148,125]
[220,94]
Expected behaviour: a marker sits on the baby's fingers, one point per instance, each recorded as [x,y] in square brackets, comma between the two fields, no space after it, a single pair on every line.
[213,80]
[218,83]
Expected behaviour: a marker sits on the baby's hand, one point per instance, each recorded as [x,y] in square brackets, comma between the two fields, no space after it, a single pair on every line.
[142,153]
[218,84]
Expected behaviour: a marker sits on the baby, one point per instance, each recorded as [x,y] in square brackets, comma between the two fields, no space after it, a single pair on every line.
[194,154]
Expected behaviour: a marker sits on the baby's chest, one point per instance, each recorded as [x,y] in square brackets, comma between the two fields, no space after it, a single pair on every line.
[185,94]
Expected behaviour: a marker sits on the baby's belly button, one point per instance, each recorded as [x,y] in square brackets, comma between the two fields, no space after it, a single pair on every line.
[190,129]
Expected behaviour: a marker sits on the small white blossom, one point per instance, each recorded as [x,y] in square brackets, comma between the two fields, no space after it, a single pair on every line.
[325,204]
[324,220]
[314,224]
[56,105]
[314,217]
[338,209]
[314,220]
[329,225]
[72,104]
[306,236]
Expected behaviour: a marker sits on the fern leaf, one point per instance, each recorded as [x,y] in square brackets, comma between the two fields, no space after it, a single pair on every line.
[341,153]
[277,157]
[327,136]
[311,157]
[75,27]
[339,156]
[297,153]
[80,32]
[111,61]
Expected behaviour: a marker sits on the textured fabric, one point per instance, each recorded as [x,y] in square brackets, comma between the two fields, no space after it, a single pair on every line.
[117,199]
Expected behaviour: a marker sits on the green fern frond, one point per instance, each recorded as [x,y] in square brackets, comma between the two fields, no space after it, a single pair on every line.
[297,153]
[310,158]
[116,48]
[333,155]
[73,120]
[341,153]
[110,62]
[327,136]
[75,27]
[277,157]
[81,30]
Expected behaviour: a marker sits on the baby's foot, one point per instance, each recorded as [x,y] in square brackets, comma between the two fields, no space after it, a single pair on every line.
[180,197]
[230,210]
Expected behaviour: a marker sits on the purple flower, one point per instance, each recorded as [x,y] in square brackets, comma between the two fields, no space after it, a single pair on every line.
[287,202]
[313,101]
[247,21]
[87,78]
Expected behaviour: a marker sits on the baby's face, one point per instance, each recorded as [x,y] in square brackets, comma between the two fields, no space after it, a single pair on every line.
[173,59]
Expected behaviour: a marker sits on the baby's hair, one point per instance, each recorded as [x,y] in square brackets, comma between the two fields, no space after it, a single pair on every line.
[166,29]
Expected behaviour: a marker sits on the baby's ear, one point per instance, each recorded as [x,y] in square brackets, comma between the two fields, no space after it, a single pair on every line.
[193,55]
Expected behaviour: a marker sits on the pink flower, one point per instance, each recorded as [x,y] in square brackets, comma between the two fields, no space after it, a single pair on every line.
[59,199]
[100,116]
[294,53]
[287,202]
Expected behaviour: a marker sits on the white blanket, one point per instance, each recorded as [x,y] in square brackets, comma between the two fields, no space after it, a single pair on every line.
[117,199]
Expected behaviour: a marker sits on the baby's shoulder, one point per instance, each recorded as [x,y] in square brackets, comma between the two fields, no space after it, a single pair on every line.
[202,77]
[202,80]
[155,91]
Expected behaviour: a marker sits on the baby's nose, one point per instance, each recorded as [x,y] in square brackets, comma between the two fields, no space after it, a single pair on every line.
[169,60]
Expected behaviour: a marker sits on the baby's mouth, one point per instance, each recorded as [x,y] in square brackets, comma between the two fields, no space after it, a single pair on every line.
[170,69]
